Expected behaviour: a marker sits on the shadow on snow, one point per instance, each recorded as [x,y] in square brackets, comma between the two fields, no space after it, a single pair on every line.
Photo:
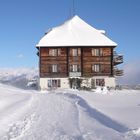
[100,117]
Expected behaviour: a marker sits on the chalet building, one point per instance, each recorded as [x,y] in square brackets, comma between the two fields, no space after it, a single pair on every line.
[75,55]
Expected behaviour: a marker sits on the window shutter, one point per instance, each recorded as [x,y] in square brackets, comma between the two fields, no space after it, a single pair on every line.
[58,83]
[79,68]
[101,52]
[93,52]
[75,52]
[50,52]
[59,52]
[79,52]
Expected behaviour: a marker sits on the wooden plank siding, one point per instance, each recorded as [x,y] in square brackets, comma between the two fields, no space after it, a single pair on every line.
[84,58]
[74,60]
[46,61]
[104,61]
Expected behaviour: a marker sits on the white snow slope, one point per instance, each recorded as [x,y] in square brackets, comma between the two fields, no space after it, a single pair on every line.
[68,115]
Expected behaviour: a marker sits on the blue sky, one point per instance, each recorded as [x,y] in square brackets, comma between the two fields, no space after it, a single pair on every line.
[23,23]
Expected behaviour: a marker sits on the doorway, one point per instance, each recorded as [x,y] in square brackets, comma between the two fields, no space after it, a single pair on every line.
[75,83]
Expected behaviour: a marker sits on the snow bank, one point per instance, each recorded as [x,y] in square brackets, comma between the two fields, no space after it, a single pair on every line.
[101,90]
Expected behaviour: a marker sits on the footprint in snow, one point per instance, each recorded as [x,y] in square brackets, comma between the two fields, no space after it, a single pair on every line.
[17,129]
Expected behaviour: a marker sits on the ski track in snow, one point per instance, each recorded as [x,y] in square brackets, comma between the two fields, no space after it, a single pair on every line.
[29,115]
[82,106]
[14,118]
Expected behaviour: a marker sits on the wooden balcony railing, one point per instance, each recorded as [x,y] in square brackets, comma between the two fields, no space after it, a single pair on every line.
[74,74]
[37,53]
[117,59]
[118,72]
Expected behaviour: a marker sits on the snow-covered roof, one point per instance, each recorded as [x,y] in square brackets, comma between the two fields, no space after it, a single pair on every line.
[75,32]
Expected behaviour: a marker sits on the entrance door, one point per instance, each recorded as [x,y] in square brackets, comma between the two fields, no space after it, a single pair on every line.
[75,83]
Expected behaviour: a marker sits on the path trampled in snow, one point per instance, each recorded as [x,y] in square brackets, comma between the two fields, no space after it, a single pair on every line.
[60,115]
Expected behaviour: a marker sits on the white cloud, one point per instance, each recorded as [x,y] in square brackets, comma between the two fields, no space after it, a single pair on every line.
[131,73]
[20,55]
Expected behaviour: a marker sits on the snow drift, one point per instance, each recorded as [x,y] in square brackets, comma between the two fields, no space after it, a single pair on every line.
[68,115]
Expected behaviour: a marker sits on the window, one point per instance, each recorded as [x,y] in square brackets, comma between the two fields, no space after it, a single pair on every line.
[54,83]
[75,52]
[75,68]
[49,83]
[100,82]
[54,52]
[96,68]
[97,52]
[55,68]
[101,52]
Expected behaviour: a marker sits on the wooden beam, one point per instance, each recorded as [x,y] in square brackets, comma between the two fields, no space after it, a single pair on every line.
[67,55]
[81,61]
[111,61]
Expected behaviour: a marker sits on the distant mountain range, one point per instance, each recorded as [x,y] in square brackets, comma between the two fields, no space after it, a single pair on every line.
[27,78]
[21,77]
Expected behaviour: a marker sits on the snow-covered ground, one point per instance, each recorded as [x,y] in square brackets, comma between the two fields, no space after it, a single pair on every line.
[65,114]
[68,115]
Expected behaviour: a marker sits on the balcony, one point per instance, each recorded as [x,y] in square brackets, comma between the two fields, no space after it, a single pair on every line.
[74,74]
[37,53]
[118,72]
[117,59]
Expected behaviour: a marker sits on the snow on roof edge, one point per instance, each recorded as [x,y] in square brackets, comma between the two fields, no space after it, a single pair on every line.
[56,36]
[77,46]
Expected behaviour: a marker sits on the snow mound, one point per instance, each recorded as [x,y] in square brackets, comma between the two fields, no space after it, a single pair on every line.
[101,90]
[136,131]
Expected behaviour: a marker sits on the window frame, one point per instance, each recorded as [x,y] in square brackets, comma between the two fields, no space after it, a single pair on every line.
[54,52]
[54,83]
[96,52]
[96,68]
[75,52]
[100,82]
[75,68]
[54,68]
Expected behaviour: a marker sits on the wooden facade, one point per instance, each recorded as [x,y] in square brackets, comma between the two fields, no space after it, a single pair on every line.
[46,61]
[75,52]
[60,61]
